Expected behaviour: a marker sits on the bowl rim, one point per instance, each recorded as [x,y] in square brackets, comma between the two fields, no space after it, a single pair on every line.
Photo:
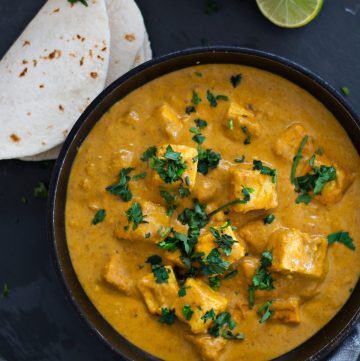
[58,167]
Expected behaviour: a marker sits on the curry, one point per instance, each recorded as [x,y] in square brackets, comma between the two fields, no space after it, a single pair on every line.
[213,214]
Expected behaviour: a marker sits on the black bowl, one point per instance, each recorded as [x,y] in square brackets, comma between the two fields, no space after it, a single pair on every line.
[315,348]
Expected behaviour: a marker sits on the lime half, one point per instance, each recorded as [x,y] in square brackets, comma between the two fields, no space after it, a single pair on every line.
[290,13]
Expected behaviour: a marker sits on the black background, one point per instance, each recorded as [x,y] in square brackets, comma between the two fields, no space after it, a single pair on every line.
[36,321]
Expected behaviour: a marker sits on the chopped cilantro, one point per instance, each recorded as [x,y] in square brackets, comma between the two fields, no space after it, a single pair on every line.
[190,109]
[223,240]
[139,176]
[227,334]
[258,165]
[262,280]
[41,191]
[147,235]
[240,160]
[303,198]
[121,188]
[265,312]
[99,216]
[171,167]
[214,264]
[161,274]
[269,219]
[198,138]
[208,315]
[176,240]
[187,312]
[171,201]
[213,99]
[84,2]
[345,90]
[297,158]
[235,80]
[182,291]
[201,124]
[198,74]
[341,237]
[207,159]
[214,282]
[231,124]
[168,317]
[149,153]
[247,134]
[135,215]
[195,218]
[196,100]
[227,205]
[221,323]
[184,192]
[5,291]
[163,231]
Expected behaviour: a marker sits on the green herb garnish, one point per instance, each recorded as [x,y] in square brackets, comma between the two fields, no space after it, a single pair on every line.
[139,176]
[161,274]
[149,153]
[235,80]
[198,74]
[171,201]
[231,274]
[184,192]
[168,317]
[222,324]
[231,124]
[99,216]
[135,216]
[195,98]
[187,312]
[200,123]
[258,165]
[213,99]
[207,159]
[182,291]
[265,312]
[214,264]
[214,282]
[41,191]
[297,158]
[341,237]
[223,240]
[247,134]
[269,219]
[121,188]
[198,138]
[345,90]
[190,109]
[171,167]
[208,315]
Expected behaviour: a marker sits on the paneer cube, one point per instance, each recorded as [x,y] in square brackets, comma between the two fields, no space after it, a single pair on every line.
[287,311]
[116,275]
[289,141]
[295,252]
[256,234]
[131,118]
[334,190]
[200,298]
[156,217]
[239,117]
[263,189]
[169,121]
[159,295]
[206,188]
[187,154]
[206,243]
[208,346]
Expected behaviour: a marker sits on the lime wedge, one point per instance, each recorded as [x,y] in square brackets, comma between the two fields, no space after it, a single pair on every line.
[290,13]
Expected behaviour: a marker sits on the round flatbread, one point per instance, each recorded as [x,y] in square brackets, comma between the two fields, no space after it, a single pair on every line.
[50,75]
[127,36]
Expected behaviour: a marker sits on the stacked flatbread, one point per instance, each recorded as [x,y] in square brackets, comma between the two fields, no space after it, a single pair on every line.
[59,64]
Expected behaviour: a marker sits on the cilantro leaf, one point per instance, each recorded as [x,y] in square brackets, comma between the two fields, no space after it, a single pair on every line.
[208,315]
[265,312]
[99,216]
[149,153]
[258,165]
[247,134]
[171,201]
[187,312]
[297,158]
[214,282]
[135,215]
[223,240]
[161,274]
[171,167]
[213,99]
[190,109]
[41,191]
[195,98]
[269,219]
[184,192]
[201,124]
[235,80]
[231,274]
[198,138]
[139,176]
[222,321]
[207,159]
[214,264]
[341,237]
[182,291]
[168,317]
[121,189]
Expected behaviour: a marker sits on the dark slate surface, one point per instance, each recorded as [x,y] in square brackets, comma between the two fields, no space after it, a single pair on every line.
[36,321]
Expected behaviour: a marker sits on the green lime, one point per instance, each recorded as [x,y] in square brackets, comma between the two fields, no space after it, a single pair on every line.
[290,13]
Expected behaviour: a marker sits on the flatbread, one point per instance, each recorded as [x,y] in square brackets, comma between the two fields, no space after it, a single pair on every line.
[51,73]
[127,30]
